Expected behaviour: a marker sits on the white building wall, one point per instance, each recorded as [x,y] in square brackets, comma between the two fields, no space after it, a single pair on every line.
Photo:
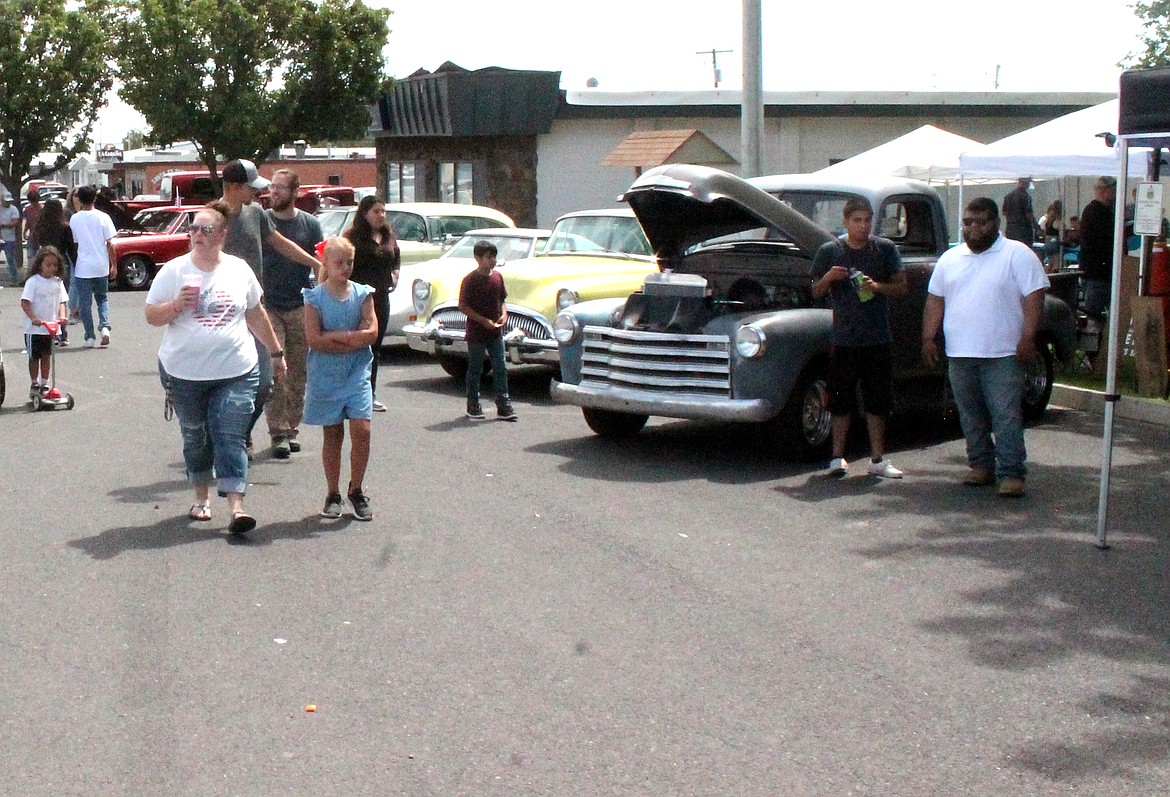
[570,175]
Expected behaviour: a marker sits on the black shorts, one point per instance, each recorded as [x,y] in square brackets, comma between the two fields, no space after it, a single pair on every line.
[38,346]
[867,366]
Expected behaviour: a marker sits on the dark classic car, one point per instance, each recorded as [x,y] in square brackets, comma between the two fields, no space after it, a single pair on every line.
[730,330]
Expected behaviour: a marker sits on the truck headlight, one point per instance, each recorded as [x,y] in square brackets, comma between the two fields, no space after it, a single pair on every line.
[420,294]
[566,297]
[566,328]
[750,341]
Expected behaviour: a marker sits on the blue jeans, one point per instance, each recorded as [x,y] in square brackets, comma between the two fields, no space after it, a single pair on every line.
[9,248]
[989,393]
[214,415]
[1098,294]
[90,289]
[475,354]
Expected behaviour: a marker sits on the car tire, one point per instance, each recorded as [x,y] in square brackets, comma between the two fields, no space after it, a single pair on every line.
[454,366]
[1038,378]
[614,425]
[135,272]
[803,429]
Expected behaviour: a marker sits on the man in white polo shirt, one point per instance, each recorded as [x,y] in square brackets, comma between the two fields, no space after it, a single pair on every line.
[92,230]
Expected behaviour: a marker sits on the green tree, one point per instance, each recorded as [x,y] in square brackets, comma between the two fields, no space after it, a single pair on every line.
[54,76]
[241,77]
[1156,34]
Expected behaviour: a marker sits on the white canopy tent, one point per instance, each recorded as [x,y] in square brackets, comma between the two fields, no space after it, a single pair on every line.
[928,153]
[1072,145]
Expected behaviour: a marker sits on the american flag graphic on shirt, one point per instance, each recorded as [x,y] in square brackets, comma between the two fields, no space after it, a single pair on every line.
[216,309]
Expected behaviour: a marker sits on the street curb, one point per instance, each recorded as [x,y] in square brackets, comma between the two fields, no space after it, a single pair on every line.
[1146,410]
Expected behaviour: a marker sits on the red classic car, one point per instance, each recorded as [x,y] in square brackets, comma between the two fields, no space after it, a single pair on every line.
[155,236]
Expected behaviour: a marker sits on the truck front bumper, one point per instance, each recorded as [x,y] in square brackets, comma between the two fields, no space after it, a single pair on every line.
[644,402]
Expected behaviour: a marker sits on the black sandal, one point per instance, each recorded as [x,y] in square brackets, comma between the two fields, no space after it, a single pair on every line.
[241,523]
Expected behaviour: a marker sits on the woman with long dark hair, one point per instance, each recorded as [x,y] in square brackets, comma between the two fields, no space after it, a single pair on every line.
[375,263]
[53,230]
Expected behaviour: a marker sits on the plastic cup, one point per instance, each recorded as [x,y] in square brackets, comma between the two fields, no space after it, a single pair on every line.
[193,280]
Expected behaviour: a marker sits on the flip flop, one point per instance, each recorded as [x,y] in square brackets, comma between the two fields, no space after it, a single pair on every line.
[241,523]
[200,511]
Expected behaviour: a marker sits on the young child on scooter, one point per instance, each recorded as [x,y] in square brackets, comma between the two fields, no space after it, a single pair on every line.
[44,298]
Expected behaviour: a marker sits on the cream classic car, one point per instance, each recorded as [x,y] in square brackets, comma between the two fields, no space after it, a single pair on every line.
[592,254]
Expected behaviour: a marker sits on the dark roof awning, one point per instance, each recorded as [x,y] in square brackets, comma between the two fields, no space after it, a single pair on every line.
[452,101]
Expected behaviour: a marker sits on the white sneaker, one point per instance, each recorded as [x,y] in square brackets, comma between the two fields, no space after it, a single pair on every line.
[105,337]
[837,467]
[90,343]
[884,470]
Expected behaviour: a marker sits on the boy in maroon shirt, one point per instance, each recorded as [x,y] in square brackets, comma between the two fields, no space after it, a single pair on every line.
[481,299]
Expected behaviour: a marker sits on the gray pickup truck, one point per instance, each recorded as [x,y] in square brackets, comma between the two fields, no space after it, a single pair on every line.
[730,330]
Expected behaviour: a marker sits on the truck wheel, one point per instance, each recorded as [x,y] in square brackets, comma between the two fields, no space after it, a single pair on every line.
[804,427]
[134,273]
[1038,377]
[454,366]
[614,424]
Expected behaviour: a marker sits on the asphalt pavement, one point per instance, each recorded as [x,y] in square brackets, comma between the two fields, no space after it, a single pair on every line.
[536,611]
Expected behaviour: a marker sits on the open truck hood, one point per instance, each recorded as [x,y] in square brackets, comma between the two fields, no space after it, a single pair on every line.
[680,205]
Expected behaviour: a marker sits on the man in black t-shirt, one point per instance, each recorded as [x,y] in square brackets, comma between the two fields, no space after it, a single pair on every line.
[481,299]
[1017,212]
[858,274]
[1096,255]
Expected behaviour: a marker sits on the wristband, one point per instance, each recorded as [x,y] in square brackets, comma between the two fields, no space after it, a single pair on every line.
[276,355]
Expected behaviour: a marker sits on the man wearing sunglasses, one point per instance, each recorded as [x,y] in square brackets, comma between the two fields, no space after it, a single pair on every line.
[249,230]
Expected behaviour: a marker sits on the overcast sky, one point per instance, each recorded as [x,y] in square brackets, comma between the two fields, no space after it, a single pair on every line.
[831,45]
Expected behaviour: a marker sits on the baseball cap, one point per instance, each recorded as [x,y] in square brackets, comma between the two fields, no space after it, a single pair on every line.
[1105,182]
[243,171]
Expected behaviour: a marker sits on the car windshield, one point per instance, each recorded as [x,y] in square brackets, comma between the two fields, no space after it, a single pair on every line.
[508,247]
[600,234]
[334,222]
[408,226]
[158,220]
[442,226]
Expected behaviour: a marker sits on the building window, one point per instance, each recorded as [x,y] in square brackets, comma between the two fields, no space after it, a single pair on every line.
[455,183]
[400,182]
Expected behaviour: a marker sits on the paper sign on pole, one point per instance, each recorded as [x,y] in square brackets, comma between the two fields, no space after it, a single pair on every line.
[1147,219]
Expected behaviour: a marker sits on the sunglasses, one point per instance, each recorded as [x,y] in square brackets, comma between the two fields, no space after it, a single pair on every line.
[206,229]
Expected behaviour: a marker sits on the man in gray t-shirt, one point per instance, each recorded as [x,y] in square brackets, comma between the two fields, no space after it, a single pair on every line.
[249,229]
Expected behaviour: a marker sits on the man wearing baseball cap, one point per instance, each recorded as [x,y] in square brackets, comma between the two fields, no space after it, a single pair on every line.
[249,229]
[1096,256]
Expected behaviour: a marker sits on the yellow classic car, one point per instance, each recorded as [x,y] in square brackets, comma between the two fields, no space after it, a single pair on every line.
[592,254]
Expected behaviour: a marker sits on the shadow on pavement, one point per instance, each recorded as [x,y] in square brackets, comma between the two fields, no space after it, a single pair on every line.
[175,531]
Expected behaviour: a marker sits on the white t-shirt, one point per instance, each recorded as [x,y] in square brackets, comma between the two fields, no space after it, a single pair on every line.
[984,293]
[46,295]
[91,230]
[8,215]
[212,341]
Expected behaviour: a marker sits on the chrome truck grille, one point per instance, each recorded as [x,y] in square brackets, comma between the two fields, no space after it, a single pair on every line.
[678,365]
[452,318]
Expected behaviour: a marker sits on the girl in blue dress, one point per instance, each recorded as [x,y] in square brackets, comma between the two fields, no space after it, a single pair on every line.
[340,328]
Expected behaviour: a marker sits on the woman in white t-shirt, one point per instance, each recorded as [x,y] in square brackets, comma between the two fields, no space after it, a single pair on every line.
[209,304]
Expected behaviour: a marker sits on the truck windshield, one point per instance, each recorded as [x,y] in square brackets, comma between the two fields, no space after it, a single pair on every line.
[825,208]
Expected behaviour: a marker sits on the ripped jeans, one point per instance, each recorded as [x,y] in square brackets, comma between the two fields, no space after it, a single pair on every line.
[214,417]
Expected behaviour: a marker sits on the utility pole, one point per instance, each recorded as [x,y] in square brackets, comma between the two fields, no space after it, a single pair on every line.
[714,62]
[752,111]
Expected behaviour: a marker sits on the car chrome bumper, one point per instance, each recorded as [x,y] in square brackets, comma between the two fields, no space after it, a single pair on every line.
[645,402]
[520,349]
